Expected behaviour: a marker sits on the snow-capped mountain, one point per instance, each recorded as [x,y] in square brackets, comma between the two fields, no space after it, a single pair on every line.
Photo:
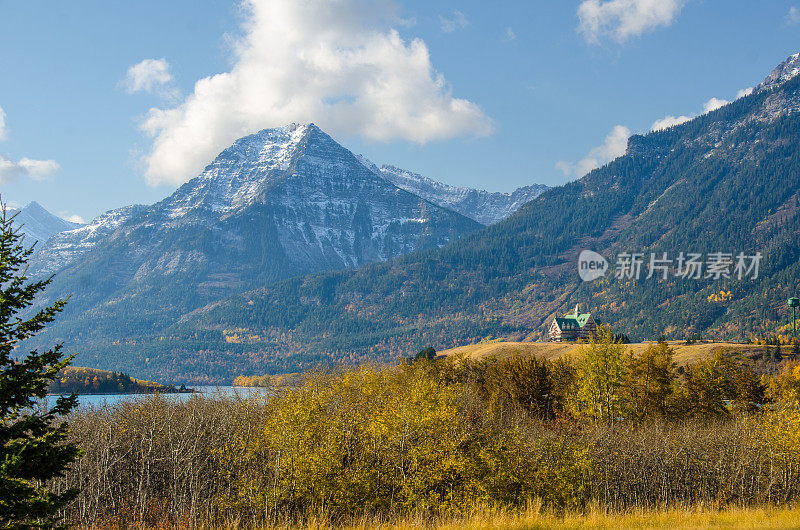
[483,206]
[279,203]
[238,174]
[321,204]
[66,247]
[251,166]
[39,225]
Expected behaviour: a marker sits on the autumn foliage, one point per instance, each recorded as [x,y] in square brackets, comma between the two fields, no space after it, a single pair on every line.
[445,437]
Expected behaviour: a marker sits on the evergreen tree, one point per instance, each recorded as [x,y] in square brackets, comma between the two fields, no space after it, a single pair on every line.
[777,356]
[32,448]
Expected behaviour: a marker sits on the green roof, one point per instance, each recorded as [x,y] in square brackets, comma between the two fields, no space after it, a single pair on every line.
[572,321]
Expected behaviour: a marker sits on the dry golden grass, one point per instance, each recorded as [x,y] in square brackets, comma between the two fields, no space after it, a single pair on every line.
[533,518]
[739,518]
[684,354]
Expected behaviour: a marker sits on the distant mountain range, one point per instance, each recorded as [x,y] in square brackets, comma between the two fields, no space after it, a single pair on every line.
[485,207]
[203,286]
[39,225]
[226,186]
[67,246]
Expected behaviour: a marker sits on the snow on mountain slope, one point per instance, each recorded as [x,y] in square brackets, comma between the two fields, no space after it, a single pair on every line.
[66,247]
[236,176]
[482,206]
[317,206]
[38,224]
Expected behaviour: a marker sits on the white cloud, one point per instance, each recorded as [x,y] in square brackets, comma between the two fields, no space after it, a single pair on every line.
[457,20]
[668,121]
[331,62]
[151,76]
[709,106]
[72,217]
[510,35]
[3,130]
[792,18]
[614,146]
[622,20]
[713,104]
[25,168]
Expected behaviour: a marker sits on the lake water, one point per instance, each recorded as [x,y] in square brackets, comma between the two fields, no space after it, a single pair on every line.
[97,400]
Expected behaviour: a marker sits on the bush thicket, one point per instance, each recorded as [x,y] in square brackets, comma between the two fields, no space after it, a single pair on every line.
[443,437]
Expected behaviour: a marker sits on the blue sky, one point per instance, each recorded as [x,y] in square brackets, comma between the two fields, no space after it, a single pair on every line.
[530,91]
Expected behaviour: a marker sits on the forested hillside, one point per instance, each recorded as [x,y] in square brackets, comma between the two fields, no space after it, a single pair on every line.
[727,181]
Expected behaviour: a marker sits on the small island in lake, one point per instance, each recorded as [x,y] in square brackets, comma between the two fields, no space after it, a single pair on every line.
[83,380]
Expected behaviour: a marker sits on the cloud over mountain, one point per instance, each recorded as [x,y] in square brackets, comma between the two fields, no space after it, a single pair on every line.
[25,168]
[337,63]
[614,146]
[669,121]
[709,106]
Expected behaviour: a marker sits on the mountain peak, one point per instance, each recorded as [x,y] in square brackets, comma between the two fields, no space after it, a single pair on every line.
[243,171]
[39,224]
[783,72]
[34,206]
[237,174]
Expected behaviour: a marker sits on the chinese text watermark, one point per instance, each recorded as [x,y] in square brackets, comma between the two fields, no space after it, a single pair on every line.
[662,265]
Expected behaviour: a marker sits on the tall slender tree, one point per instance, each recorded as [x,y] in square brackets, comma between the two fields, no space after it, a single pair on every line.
[600,377]
[32,438]
[777,355]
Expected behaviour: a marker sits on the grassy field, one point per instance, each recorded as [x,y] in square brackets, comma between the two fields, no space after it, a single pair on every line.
[684,354]
[534,518]
[738,518]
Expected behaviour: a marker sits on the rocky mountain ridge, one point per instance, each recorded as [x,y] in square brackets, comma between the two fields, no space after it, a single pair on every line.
[483,206]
